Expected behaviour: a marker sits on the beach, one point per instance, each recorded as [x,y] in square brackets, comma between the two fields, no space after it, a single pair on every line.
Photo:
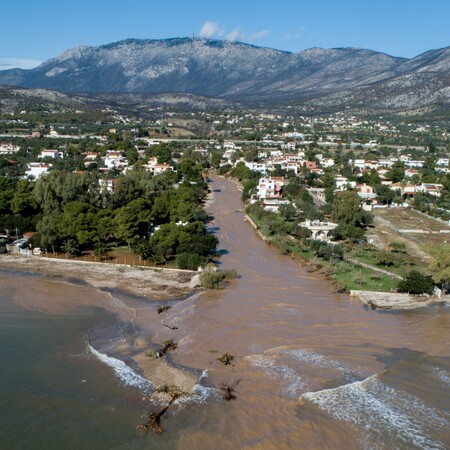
[151,283]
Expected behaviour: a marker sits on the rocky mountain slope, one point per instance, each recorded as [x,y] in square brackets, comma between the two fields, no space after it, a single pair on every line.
[238,71]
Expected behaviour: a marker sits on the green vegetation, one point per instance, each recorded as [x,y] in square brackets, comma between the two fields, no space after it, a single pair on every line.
[416,283]
[217,279]
[160,217]
[439,266]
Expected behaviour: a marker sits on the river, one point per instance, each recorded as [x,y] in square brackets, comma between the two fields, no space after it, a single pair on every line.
[312,369]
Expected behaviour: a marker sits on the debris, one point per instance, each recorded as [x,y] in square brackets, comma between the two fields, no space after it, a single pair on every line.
[226,359]
[228,389]
[162,308]
[169,346]
[154,418]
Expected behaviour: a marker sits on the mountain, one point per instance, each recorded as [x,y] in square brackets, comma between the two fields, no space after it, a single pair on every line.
[244,72]
[143,105]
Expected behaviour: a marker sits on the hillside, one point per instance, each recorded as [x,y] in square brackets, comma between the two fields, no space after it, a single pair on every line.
[242,72]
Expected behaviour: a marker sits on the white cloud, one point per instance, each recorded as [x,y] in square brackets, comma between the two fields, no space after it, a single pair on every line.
[296,36]
[234,35]
[210,30]
[13,63]
[258,36]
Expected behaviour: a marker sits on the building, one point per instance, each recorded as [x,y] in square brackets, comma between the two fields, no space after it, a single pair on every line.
[36,169]
[50,153]
[270,187]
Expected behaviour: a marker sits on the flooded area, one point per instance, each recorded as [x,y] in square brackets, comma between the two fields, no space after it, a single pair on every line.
[312,369]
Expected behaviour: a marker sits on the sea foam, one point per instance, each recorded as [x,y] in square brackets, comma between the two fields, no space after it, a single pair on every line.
[124,372]
[390,417]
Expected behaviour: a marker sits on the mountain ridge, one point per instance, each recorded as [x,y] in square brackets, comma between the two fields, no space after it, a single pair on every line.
[245,72]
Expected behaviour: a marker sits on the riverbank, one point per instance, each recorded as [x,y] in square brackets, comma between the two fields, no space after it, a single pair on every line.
[151,283]
[375,299]
[394,301]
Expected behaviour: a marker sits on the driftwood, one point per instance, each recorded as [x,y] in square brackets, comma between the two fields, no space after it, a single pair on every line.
[170,328]
[153,419]
[226,359]
[229,390]
[162,308]
[169,346]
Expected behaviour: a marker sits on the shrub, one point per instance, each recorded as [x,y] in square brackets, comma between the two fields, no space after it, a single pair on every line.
[217,280]
[386,258]
[416,283]
[190,261]
[398,246]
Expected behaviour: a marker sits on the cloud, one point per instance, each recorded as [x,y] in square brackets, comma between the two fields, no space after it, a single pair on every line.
[210,29]
[258,36]
[12,63]
[234,35]
[296,36]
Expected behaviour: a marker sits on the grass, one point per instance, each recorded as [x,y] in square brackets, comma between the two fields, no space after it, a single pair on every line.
[343,274]
[402,270]
[360,278]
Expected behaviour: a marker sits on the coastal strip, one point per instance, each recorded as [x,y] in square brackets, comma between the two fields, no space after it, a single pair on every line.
[151,283]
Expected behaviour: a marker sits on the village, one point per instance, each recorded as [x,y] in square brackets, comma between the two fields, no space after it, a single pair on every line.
[290,166]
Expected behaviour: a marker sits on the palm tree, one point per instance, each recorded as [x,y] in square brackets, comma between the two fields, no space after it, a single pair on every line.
[101,250]
[70,248]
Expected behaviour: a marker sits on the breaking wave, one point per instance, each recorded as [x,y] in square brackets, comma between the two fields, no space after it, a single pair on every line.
[442,375]
[390,417]
[281,363]
[124,372]
[291,381]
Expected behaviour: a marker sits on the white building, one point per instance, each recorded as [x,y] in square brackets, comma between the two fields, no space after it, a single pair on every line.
[35,170]
[50,153]
[6,149]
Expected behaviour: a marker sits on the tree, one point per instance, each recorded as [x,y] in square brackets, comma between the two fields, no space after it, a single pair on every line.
[385,194]
[133,220]
[439,265]
[329,183]
[70,248]
[416,283]
[397,172]
[49,231]
[101,250]
[347,208]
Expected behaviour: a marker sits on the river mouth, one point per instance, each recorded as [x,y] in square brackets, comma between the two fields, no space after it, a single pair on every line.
[312,369]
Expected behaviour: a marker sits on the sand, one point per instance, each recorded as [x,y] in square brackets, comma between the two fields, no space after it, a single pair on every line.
[160,372]
[397,301]
[151,283]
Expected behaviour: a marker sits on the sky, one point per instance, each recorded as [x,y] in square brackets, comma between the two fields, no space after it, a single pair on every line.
[33,31]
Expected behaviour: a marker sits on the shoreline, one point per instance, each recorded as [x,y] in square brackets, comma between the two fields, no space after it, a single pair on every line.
[145,283]
[151,283]
[375,300]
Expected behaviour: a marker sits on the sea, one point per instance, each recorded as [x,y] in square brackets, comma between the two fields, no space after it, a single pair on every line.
[312,369]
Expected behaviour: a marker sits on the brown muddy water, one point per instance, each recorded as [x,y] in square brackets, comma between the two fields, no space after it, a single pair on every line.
[315,370]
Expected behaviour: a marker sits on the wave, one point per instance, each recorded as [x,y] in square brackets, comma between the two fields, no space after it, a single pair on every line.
[124,372]
[278,362]
[390,418]
[315,359]
[290,380]
[200,393]
[441,374]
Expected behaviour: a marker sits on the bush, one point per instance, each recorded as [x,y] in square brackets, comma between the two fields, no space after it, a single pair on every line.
[217,280]
[326,251]
[190,261]
[386,258]
[416,283]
